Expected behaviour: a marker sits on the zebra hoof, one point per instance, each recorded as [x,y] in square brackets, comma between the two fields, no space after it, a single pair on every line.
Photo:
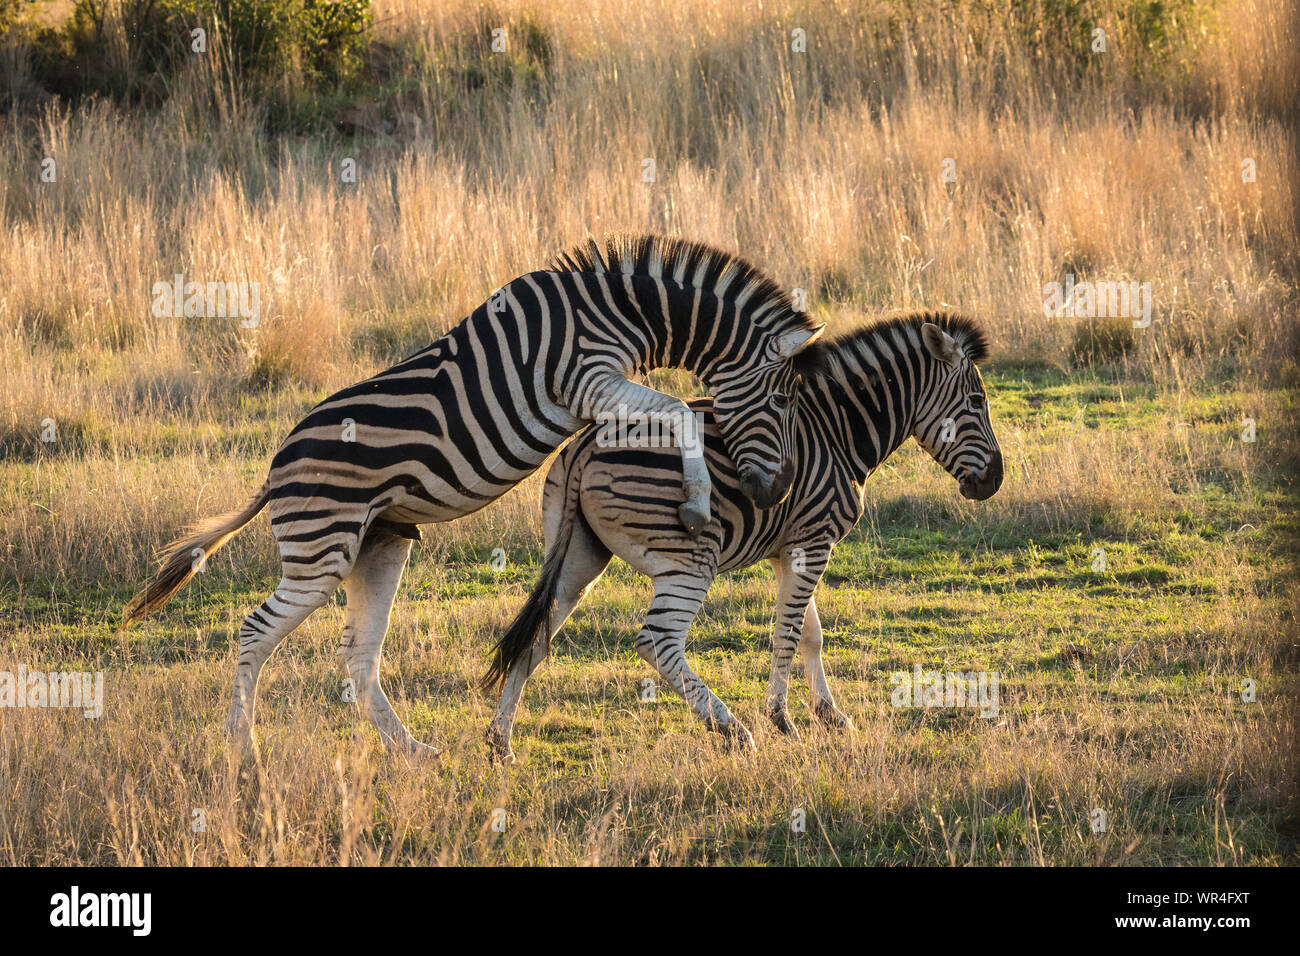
[498,747]
[423,752]
[833,719]
[694,518]
[411,749]
[781,720]
[736,738]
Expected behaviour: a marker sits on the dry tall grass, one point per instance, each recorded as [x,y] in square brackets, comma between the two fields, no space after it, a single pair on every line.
[824,166]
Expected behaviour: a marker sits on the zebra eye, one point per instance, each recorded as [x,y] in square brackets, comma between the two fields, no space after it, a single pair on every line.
[976,400]
[779,401]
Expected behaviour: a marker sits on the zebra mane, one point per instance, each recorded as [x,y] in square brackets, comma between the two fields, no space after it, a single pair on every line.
[815,361]
[694,265]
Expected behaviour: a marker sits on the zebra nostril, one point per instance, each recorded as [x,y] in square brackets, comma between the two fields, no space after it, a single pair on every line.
[993,473]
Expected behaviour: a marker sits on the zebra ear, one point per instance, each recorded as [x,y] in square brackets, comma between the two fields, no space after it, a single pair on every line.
[790,344]
[940,344]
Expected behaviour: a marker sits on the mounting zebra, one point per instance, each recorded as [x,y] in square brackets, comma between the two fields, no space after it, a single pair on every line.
[461,422]
[863,394]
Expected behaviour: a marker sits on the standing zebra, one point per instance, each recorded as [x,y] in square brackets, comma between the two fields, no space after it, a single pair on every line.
[460,423]
[863,395]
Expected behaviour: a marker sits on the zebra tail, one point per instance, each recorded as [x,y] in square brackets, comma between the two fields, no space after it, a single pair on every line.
[534,618]
[179,562]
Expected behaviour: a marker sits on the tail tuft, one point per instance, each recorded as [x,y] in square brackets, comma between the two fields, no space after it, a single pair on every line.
[182,557]
[532,620]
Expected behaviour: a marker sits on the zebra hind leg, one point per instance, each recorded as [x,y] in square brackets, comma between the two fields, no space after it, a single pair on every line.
[810,646]
[260,634]
[370,589]
[585,561]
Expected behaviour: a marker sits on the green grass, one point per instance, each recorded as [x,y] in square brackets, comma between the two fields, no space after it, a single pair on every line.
[1121,689]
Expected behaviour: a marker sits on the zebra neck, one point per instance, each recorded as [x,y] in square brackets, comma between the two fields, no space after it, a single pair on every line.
[674,326]
[867,404]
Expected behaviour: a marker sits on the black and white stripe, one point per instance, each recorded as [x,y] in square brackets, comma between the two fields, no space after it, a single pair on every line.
[863,394]
[460,423]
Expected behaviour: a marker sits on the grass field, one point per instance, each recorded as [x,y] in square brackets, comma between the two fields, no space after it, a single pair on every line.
[1120,690]
[1125,690]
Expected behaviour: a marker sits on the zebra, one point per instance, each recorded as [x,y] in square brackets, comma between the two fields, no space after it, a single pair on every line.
[459,423]
[862,395]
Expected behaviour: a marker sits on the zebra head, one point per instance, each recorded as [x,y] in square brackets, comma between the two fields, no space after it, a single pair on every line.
[952,417]
[753,406]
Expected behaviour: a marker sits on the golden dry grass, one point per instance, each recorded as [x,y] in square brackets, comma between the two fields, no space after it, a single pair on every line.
[825,168]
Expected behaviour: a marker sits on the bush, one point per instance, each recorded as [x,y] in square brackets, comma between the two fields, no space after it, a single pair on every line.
[132,49]
[324,40]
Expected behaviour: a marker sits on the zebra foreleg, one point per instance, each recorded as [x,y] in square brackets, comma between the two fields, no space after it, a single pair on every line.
[797,574]
[615,400]
[370,588]
[662,642]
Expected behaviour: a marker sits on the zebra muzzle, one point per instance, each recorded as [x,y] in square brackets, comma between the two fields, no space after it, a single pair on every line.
[766,490]
[984,486]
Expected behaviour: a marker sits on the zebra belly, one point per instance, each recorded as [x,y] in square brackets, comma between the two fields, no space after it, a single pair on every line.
[431,501]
